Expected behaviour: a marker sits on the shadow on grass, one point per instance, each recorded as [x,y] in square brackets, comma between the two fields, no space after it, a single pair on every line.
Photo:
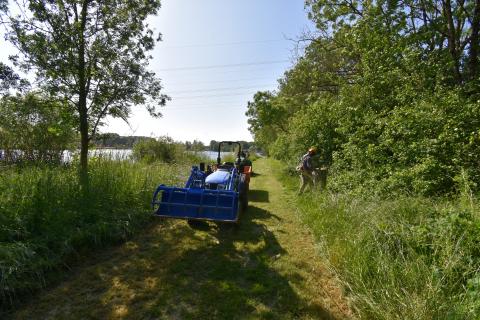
[176,272]
[258,196]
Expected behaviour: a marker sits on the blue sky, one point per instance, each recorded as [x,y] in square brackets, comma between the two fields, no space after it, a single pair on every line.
[214,56]
[202,40]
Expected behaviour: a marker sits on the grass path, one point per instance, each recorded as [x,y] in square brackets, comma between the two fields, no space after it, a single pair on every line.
[266,268]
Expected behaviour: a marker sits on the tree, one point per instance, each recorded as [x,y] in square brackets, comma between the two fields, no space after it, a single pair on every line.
[9,79]
[213,145]
[37,126]
[92,53]
[265,118]
[387,90]
[447,31]
[163,149]
[198,145]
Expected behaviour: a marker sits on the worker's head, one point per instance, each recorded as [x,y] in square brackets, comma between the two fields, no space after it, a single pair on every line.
[312,150]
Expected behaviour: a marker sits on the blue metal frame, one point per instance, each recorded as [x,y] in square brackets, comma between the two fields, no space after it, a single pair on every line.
[194,201]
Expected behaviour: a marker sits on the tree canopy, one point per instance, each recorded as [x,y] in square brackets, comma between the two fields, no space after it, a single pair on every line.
[388,91]
[91,53]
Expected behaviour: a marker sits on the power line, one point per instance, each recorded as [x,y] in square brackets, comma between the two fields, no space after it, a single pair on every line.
[215,95]
[202,107]
[219,89]
[224,66]
[217,81]
[221,44]
[259,70]
[216,102]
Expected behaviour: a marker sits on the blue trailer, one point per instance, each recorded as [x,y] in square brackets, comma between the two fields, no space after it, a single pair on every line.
[219,193]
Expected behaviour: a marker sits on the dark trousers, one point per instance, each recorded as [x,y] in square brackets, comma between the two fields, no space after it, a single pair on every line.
[306,178]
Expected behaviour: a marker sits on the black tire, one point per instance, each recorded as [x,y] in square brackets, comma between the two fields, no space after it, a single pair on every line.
[245,203]
[198,224]
[243,194]
[192,223]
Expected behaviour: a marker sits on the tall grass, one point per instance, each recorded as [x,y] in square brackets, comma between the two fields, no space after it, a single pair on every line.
[402,257]
[46,222]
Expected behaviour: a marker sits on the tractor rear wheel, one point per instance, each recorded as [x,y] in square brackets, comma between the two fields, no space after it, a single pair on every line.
[243,194]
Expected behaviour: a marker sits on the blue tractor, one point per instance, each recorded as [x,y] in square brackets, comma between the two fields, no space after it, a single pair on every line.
[219,193]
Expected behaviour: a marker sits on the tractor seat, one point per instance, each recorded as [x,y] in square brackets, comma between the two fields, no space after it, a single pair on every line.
[226,166]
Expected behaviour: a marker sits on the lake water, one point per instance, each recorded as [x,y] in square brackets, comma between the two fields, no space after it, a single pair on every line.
[114,154]
[212,155]
[126,154]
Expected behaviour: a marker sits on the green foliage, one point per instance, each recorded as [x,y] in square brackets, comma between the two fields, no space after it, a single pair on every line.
[35,128]
[8,78]
[264,119]
[114,140]
[162,149]
[46,222]
[386,92]
[407,257]
[194,146]
[213,146]
[91,53]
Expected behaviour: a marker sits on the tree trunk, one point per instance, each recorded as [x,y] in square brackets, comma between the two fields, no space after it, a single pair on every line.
[452,40]
[82,101]
[474,42]
[83,143]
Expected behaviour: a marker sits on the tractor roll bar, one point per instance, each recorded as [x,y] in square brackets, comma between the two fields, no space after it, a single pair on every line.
[219,160]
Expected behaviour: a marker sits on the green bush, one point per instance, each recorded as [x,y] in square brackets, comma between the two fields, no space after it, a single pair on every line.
[163,149]
[39,127]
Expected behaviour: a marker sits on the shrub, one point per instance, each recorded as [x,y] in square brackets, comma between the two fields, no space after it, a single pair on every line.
[35,128]
[163,149]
